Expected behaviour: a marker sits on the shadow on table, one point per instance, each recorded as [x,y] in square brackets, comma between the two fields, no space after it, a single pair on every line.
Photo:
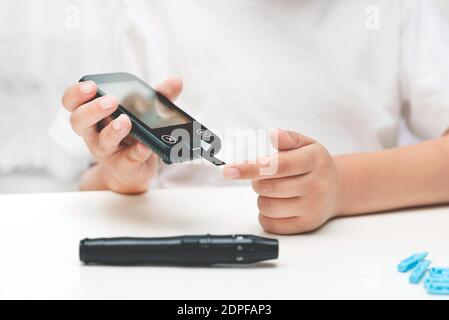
[260,265]
[141,211]
[164,213]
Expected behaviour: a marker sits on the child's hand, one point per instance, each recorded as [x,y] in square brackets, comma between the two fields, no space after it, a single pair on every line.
[301,194]
[123,164]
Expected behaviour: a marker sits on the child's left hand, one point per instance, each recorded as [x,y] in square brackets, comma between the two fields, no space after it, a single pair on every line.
[301,193]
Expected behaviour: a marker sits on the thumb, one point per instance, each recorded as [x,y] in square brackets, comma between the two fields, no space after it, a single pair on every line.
[171,88]
[288,140]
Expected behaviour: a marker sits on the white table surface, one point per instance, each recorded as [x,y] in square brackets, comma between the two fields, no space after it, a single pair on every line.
[348,258]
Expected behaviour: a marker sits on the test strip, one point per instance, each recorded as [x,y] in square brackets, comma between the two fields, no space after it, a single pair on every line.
[411,262]
[437,288]
[419,272]
[429,281]
[216,161]
[436,272]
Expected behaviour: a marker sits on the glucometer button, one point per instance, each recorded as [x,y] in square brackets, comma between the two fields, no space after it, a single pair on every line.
[169,139]
[203,133]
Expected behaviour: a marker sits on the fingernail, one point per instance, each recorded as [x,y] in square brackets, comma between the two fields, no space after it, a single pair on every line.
[231,173]
[106,103]
[293,136]
[87,87]
[117,124]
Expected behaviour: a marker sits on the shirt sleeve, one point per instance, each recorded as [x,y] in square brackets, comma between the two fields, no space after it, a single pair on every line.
[424,60]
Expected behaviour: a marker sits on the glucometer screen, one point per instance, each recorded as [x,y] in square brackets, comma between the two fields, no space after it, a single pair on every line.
[144,103]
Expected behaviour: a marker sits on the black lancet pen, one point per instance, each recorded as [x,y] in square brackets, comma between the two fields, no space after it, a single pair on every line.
[183,250]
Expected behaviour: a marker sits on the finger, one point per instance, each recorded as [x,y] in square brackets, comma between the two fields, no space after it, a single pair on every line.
[288,187]
[110,137]
[131,157]
[78,94]
[171,88]
[288,140]
[279,208]
[282,164]
[286,226]
[85,118]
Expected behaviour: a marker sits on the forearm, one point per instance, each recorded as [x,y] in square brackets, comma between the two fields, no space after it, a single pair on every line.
[97,178]
[397,178]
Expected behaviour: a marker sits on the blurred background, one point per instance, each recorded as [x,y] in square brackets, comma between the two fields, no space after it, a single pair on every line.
[444,4]
[43,49]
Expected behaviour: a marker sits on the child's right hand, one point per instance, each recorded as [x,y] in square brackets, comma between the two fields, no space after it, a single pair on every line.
[121,167]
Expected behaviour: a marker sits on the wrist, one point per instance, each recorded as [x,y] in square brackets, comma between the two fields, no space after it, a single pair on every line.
[341,192]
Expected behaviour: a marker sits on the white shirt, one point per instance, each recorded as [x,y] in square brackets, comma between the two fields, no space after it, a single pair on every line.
[344,72]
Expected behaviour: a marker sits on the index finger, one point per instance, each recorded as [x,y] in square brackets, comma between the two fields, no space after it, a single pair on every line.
[78,94]
[279,165]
